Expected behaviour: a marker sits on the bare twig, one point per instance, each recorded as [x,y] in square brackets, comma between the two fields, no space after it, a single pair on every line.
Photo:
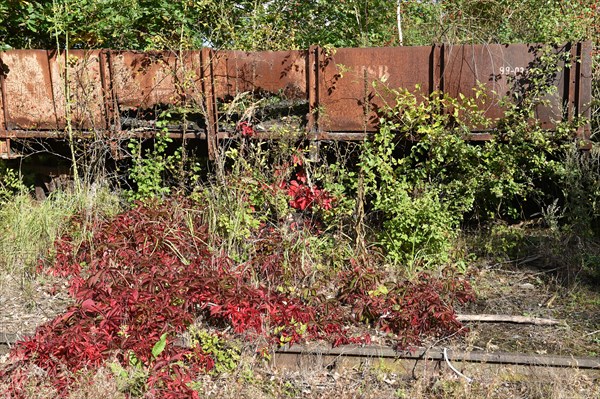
[469,380]
[500,318]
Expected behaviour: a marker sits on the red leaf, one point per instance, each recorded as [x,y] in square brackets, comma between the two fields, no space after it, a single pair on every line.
[89,306]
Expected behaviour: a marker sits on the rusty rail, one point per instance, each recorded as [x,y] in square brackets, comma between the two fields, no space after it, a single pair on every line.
[290,356]
[381,352]
[332,90]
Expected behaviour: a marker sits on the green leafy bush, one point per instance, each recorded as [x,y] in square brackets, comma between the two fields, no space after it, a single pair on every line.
[225,355]
[424,177]
[10,184]
[580,185]
[416,224]
[150,170]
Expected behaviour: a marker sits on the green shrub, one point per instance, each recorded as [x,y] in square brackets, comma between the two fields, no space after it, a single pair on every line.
[423,176]
[580,184]
[225,355]
[416,224]
[150,169]
[10,184]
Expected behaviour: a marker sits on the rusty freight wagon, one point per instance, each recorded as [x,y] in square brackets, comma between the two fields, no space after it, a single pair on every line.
[116,95]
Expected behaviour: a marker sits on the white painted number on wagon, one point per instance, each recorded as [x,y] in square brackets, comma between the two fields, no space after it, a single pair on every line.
[507,70]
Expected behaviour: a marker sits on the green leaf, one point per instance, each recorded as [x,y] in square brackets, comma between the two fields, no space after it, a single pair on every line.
[159,347]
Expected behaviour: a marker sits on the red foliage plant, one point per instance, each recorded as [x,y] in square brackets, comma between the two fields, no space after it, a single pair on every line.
[423,305]
[148,272]
[245,129]
[305,196]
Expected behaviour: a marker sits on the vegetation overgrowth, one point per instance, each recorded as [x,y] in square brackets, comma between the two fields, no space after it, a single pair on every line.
[195,261]
[284,24]
[147,275]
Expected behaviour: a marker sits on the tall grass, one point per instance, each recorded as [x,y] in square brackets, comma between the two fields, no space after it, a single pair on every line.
[28,227]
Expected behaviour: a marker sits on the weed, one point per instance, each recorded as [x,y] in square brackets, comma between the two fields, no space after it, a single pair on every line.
[10,184]
[133,379]
[149,170]
[149,272]
[423,178]
[29,228]
[580,184]
[225,355]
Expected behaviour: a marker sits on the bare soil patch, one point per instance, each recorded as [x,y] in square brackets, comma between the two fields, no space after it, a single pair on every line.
[27,304]
[533,292]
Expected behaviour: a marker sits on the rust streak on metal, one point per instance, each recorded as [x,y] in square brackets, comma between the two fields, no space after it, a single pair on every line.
[28,89]
[85,88]
[354,80]
[570,100]
[4,143]
[60,135]
[116,121]
[4,114]
[106,89]
[261,73]
[341,136]
[31,134]
[212,127]
[583,96]
[312,87]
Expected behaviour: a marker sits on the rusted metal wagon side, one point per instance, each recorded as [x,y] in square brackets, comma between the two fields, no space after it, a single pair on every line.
[339,93]
[350,83]
[101,94]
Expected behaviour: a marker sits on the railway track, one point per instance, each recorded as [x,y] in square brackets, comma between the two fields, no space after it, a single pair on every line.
[416,363]
[423,362]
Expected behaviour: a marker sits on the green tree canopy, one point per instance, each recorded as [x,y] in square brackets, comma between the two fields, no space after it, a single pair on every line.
[278,24]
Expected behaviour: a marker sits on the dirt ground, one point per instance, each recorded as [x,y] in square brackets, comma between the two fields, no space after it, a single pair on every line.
[529,291]
[26,304]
